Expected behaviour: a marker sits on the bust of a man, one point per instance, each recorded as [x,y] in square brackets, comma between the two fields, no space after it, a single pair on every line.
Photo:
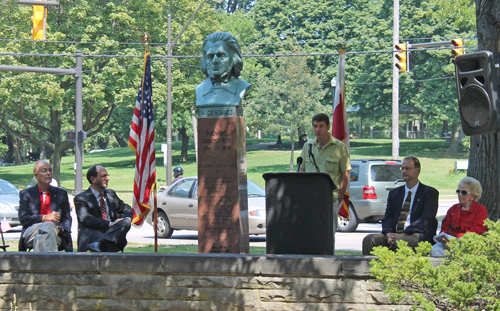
[222,65]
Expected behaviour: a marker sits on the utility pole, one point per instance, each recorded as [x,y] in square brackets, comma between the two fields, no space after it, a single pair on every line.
[395,87]
[170,46]
[169,103]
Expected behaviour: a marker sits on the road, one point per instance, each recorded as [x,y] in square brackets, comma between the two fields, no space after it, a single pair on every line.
[145,235]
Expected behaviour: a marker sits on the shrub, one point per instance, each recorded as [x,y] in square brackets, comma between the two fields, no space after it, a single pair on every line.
[468,279]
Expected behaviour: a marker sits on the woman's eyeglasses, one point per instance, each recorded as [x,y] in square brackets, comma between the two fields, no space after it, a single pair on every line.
[462,192]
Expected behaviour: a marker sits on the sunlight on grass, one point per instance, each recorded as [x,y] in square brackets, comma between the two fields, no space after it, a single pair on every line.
[436,165]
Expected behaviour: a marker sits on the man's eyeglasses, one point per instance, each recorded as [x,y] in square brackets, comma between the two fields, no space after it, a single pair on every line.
[406,168]
[462,192]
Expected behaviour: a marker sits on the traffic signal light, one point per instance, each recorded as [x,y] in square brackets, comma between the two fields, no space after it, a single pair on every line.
[478,84]
[402,57]
[38,18]
[460,49]
[71,135]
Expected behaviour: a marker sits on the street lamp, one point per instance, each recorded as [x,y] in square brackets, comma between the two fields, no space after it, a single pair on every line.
[170,47]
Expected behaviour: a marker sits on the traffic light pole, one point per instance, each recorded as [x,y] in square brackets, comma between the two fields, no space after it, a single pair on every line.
[42,3]
[395,87]
[77,72]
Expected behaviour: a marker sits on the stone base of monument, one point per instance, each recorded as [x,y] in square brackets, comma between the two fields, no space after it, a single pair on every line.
[222,188]
[299,213]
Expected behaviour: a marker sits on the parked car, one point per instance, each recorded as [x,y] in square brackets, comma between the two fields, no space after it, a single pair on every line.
[178,208]
[9,202]
[370,181]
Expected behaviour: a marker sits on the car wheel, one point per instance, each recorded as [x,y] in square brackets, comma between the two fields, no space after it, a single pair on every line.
[163,226]
[348,225]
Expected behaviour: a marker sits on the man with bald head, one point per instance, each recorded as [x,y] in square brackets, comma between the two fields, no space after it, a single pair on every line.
[103,219]
[45,214]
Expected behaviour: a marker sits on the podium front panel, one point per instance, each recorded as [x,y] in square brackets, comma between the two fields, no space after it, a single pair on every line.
[299,213]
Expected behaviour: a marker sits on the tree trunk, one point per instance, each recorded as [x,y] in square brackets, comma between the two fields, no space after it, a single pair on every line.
[185,144]
[42,153]
[18,150]
[291,154]
[103,143]
[10,152]
[55,161]
[279,142]
[121,141]
[483,162]
[455,138]
[445,127]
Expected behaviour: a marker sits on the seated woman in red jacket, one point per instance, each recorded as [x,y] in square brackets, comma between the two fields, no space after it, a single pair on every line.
[467,216]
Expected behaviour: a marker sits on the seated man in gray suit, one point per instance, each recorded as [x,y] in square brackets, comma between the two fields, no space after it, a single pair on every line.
[410,214]
[103,219]
[45,214]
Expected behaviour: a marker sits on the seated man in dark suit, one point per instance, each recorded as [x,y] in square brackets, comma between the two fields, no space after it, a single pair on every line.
[103,219]
[45,214]
[411,212]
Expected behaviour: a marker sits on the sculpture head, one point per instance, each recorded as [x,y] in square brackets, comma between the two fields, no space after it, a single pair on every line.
[221,56]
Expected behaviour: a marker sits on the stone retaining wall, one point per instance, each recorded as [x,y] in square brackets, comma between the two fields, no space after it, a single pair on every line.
[87,281]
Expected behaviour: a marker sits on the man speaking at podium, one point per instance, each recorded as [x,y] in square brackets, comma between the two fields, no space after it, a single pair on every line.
[326,154]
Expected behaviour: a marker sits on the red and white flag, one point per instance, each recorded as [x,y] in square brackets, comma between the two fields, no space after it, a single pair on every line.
[142,141]
[340,129]
[5,226]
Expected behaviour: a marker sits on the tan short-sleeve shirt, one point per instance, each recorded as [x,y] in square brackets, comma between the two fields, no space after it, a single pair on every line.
[333,159]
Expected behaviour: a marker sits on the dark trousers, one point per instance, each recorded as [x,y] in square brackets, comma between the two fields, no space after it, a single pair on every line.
[113,239]
[379,239]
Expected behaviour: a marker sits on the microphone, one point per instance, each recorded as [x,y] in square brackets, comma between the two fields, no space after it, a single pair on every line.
[311,157]
[299,163]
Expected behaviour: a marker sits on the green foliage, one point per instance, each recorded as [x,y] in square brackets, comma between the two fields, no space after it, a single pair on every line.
[39,108]
[468,279]
[285,102]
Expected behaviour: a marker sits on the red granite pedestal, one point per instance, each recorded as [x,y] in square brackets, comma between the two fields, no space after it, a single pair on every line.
[222,188]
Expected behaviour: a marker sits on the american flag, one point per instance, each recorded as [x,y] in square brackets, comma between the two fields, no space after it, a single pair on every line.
[340,129]
[142,141]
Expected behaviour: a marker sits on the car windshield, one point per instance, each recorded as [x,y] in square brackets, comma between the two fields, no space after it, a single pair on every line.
[7,188]
[255,190]
[182,188]
[384,172]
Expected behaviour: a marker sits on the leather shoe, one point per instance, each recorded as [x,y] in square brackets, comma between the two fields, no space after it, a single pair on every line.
[94,247]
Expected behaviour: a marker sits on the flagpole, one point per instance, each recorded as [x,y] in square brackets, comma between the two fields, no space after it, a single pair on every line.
[156,220]
[145,39]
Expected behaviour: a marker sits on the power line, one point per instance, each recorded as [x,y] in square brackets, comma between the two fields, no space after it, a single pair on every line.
[300,42]
[245,56]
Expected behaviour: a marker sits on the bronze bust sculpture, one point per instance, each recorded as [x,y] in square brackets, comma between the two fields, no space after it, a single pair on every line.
[222,64]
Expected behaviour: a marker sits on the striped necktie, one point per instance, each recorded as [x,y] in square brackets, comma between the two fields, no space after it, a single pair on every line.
[102,205]
[404,214]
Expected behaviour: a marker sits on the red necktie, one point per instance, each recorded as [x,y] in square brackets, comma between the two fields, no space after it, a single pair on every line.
[103,206]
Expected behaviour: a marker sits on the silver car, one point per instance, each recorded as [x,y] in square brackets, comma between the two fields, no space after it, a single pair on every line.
[178,208]
[371,181]
[9,202]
